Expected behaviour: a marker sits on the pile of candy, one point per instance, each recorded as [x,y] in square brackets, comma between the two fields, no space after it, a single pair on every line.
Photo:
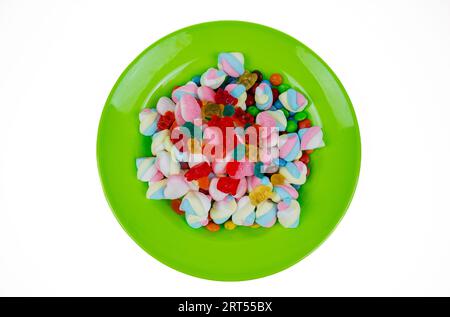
[214,176]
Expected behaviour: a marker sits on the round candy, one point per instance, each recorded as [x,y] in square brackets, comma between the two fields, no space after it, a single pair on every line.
[304,124]
[196,80]
[230,225]
[148,121]
[291,126]
[266,214]
[245,212]
[196,206]
[293,100]
[231,63]
[156,189]
[175,204]
[222,210]
[294,172]
[189,89]
[276,79]
[311,138]
[238,91]
[263,96]
[289,213]
[253,110]
[213,78]
[283,87]
[213,227]
[299,116]
[289,146]
[165,104]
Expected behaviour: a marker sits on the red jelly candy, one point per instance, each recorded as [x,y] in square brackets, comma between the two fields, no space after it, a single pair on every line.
[228,185]
[250,101]
[232,167]
[198,171]
[166,120]
[304,124]
[275,94]
[175,204]
[223,97]
[305,158]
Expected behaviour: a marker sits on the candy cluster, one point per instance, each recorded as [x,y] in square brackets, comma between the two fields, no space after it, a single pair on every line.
[205,161]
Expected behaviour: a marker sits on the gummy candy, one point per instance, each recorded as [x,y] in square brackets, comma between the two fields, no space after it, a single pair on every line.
[224,97]
[247,79]
[260,194]
[228,185]
[212,109]
[198,171]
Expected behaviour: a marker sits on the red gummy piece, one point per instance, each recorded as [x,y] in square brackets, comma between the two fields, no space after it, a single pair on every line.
[250,101]
[166,120]
[224,97]
[305,158]
[198,171]
[232,167]
[228,185]
[304,124]
[275,94]
[242,117]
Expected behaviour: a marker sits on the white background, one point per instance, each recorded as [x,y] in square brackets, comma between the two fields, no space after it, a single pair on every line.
[58,62]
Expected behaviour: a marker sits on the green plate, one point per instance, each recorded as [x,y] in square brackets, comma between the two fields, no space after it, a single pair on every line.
[243,253]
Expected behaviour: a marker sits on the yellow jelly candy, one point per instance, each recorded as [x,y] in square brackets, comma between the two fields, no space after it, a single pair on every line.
[211,109]
[229,225]
[260,194]
[255,225]
[277,179]
[247,79]
[194,146]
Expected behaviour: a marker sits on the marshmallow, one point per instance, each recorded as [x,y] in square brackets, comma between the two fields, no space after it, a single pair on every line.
[289,213]
[166,165]
[222,210]
[253,182]
[272,119]
[293,100]
[284,192]
[294,172]
[189,109]
[177,187]
[213,78]
[156,189]
[146,168]
[231,63]
[289,146]
[263,96]
[266,214]
[196,206]
[148,121]
[159,141]
[311,138]
[189,89]
[206,94]
[245,212]
[165,104]
[241,189]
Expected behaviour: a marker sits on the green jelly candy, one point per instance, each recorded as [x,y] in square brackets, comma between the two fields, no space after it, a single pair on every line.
[286,112]
[283,87]
[291,126]
[299,116]
[253,110]
[228,111]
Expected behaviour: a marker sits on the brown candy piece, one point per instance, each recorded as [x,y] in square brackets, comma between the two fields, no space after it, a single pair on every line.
[247,79]
[211,109]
